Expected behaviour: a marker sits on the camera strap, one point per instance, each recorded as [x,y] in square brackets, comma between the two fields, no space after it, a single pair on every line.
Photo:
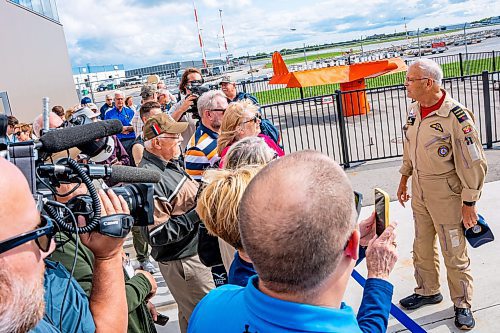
[116,225]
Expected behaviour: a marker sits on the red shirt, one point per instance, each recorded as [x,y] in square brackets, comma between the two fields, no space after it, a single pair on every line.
[424,111]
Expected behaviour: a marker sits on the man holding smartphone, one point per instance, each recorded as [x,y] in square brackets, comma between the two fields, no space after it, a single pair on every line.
[444,156]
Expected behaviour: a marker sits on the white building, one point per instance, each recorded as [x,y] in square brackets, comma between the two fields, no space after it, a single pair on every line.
[34,61]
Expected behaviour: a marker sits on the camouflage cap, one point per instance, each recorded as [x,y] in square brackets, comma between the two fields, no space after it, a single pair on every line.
[148,90]
[162,123]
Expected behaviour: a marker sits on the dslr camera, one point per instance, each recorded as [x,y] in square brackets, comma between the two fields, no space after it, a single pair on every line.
[197,89]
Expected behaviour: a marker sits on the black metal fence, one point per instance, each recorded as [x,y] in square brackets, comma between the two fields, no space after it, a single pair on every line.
[366,125]
[455,65]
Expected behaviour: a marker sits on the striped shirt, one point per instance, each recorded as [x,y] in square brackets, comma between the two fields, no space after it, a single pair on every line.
[201,152]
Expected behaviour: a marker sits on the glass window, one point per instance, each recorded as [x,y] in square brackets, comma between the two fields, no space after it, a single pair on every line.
[45,8]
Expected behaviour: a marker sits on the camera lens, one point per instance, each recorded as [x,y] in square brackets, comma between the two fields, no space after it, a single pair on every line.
[139,198]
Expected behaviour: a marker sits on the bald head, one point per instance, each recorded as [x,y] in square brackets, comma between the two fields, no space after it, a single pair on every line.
[54,121]
[295,219]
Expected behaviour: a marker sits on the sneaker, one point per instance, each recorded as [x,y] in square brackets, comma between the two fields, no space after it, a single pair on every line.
[464,319]
[147,266]
[415,301]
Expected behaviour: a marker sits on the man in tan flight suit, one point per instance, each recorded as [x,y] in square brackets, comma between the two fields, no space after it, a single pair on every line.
[443,153]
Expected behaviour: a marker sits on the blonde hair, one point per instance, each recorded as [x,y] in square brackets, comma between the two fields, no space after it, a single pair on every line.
[231,122]
[251,150]
[219,201]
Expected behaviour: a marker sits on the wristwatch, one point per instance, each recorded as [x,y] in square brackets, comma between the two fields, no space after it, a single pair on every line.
[469,203]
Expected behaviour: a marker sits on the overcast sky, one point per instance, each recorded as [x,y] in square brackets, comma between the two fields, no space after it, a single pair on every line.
[139,33]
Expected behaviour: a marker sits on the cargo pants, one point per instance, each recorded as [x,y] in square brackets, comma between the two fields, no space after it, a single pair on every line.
[437,211]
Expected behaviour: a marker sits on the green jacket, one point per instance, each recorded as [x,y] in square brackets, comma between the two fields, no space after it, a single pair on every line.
[136,288]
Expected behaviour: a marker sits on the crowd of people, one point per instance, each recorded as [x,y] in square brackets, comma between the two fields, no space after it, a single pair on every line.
[246,238]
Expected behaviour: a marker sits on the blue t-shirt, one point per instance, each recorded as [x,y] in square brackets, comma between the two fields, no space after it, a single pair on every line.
[240,271]
[125,116]
[76,310]
[232,308]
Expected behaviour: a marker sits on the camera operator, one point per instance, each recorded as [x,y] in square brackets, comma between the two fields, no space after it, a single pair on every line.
[22,262]
[180,110]
[174,235]
[139,287]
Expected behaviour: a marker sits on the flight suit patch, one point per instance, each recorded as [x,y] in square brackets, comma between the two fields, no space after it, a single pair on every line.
[437,127]
[410,121]
[443,151]
[460,114]
[467,129]
[454,238]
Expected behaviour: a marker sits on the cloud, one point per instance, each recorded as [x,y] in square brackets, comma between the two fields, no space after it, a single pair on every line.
[139,33]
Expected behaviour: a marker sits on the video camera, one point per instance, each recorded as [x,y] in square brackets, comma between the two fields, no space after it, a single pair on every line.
[197,89]
[35,160]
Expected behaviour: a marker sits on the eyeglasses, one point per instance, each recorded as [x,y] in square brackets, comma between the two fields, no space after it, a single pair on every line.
[413,80]
[220,110]
[254,119]
[42,236]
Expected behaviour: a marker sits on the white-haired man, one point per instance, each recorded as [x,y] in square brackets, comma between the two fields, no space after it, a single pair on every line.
[125,115]
[443,153]
[201,151]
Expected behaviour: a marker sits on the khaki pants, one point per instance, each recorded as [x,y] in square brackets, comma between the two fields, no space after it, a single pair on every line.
[437,210]
[189,281]
[140,244]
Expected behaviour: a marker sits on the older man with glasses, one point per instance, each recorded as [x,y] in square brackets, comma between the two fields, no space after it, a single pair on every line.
[201,151]
[25,243]
[444,156]
[106,106]
[174,235]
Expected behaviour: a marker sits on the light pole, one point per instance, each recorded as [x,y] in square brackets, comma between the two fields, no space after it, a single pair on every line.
[466,53]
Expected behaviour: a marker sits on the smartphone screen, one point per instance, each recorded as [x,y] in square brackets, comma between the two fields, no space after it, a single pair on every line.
[161,319]
[381,210]
[358,199]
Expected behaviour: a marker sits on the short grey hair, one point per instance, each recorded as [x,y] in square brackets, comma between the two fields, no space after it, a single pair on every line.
[119,92]
[251,150]
[109,96]
[206,100]
[430,69]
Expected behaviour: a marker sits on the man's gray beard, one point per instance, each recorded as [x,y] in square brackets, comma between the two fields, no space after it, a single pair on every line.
[21,305]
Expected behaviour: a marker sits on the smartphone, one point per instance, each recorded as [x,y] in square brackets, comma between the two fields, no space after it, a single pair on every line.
[358,199]
[161,319]
[381,210]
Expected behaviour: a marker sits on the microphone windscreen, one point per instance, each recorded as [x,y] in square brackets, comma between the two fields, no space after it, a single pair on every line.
[66,138]
[127,174]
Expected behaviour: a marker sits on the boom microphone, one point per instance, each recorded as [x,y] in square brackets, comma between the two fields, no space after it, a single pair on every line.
[127,174]
[66,138]
[114,173]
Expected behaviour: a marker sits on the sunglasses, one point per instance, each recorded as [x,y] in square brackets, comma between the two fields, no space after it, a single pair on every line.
[220,110]
[254,119]
[42,236]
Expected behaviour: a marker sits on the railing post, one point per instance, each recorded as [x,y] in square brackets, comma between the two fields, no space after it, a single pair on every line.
[244,87]
[301,93]
[494,62]
[461,66]
[487,110]
[343,130]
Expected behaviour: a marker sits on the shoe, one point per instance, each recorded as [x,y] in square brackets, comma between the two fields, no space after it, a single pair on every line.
[464,319]
[415,301]
[147,266]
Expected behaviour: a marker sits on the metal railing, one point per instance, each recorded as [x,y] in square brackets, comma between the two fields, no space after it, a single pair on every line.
[365,125]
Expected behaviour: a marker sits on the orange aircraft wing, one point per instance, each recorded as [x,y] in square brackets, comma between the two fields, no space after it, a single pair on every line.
[336,74]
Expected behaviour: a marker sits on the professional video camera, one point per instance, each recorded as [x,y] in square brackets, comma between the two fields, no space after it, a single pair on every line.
[197,89]
[33,159]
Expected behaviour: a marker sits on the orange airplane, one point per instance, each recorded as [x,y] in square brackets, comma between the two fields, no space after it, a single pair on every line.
[351,77]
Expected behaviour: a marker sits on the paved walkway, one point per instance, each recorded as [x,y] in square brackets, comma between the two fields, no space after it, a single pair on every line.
[436,318]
